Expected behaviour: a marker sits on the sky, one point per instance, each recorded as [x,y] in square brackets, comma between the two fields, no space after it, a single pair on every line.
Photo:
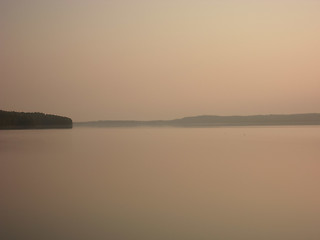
[145,59]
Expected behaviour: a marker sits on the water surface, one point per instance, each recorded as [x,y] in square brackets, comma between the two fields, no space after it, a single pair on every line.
[161,183]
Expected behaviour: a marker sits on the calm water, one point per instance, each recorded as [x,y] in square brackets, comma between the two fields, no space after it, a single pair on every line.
[161,183]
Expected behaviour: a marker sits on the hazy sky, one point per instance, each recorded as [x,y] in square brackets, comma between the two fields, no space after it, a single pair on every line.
[147,59]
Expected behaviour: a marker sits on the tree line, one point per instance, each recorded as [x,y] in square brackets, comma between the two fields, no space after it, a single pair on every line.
[34,120]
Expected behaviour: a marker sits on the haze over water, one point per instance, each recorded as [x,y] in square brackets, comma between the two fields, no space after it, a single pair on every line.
[161,183]
[94,60]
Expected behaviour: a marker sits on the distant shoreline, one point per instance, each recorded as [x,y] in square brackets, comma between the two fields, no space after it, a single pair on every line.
[35,120]
[307,119]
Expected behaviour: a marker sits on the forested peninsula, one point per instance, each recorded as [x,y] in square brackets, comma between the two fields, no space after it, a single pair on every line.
[215,121]
[34,120]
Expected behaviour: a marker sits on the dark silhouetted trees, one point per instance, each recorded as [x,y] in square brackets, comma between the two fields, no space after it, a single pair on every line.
[22,120]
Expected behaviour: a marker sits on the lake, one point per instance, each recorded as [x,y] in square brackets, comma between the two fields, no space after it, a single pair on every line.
[161,183]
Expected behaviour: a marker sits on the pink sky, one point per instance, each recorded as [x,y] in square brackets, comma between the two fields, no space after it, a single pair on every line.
[93,60]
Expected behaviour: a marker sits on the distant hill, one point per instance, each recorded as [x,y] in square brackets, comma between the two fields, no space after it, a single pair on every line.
[22,120]
[215,121]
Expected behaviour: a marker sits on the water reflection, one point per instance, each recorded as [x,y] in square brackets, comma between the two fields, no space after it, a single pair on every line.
[168,183]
